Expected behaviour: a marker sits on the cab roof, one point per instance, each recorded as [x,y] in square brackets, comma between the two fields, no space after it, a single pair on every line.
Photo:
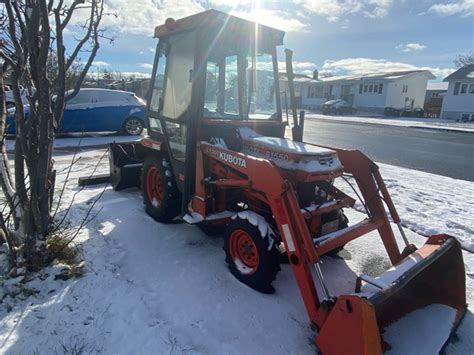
[218,20]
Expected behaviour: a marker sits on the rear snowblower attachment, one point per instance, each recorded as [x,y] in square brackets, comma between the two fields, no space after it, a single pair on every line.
[389,312]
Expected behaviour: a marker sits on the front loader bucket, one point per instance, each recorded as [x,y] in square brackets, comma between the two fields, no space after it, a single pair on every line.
[410,309]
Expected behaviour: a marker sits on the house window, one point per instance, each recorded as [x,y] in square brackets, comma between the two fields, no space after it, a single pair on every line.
[465,117]
[435,94]
[361,87]
[456,88]
[471,89]
[464,88]
[318,91]
[376,88]
[365,88]
[380,88]
[371,88]
[309,91]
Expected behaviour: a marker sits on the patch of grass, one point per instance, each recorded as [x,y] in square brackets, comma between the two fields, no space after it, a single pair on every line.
[375,265]
[61,248]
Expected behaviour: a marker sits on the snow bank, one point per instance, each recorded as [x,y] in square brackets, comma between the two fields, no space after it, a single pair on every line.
[429,123]
[86,141]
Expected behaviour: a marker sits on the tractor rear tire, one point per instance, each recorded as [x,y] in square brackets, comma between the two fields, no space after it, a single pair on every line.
[248,256]
[160,194]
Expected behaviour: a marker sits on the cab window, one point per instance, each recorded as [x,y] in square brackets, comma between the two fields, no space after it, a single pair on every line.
[240,87]
[179,76]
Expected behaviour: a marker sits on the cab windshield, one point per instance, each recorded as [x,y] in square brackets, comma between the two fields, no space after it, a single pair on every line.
[240,87]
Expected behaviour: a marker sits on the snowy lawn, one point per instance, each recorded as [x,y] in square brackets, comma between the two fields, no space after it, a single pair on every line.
[151,288]
[431,123]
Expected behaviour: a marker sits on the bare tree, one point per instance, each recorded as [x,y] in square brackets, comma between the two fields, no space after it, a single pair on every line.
[33,32]
[463,60]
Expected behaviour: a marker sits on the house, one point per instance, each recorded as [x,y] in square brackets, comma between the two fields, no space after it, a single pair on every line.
[404,90]
[298,81]
[434,98]
[458,103]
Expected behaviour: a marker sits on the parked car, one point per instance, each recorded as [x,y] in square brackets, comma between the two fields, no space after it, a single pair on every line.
[338,107]
[10,101]
[396,112]
[100,110]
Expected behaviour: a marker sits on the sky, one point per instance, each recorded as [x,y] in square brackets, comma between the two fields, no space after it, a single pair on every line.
[340,37]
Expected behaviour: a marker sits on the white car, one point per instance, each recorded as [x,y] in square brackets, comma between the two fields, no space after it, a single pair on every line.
[10,100]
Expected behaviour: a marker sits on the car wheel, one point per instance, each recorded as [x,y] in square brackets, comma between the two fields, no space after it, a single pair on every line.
[133,126]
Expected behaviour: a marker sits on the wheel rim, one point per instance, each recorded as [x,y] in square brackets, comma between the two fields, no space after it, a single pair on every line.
[244,252]
[154,187]
[133,126]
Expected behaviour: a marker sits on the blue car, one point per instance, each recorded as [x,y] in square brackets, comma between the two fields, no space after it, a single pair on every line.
[99,110]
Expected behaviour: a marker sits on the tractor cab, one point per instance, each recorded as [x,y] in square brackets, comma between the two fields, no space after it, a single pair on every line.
[212,73]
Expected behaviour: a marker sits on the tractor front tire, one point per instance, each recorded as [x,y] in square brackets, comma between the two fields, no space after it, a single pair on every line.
[249,257]
[160,194]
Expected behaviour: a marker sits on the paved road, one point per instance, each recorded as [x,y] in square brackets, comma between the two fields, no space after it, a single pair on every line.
[434,151]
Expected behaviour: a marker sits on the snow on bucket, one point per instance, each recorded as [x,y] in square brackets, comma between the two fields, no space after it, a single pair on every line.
[423,294]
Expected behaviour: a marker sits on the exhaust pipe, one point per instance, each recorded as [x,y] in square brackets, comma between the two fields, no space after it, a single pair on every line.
[297,129]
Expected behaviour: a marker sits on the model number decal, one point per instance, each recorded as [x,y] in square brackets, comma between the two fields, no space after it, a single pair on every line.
[262,152]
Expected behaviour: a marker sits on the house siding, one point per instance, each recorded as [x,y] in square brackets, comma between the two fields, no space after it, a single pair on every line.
[455,105]
[370,101]
[415,90]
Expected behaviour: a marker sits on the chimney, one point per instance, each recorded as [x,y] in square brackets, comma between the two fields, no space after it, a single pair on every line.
[315,74]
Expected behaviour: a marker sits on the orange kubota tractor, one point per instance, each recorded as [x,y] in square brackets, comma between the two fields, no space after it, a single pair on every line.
[216,156]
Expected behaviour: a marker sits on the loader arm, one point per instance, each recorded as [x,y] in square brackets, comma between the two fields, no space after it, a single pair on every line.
[359,318]
[264,176]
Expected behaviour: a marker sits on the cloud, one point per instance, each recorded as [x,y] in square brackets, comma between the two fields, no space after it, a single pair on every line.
[350,66]
[142,18]
[277,19]
[100,63]
[306,68]
[145,65]
[462,7]
[411,47]
[335,10]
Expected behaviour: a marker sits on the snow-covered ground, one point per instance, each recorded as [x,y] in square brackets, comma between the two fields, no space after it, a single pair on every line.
[430,204]
[429,123]
[151,288]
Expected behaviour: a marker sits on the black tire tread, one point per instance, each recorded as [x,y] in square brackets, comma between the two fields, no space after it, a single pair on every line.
[170,206]
[269,265]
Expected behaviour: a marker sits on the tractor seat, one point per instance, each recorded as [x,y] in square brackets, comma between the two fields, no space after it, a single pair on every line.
[288,154]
